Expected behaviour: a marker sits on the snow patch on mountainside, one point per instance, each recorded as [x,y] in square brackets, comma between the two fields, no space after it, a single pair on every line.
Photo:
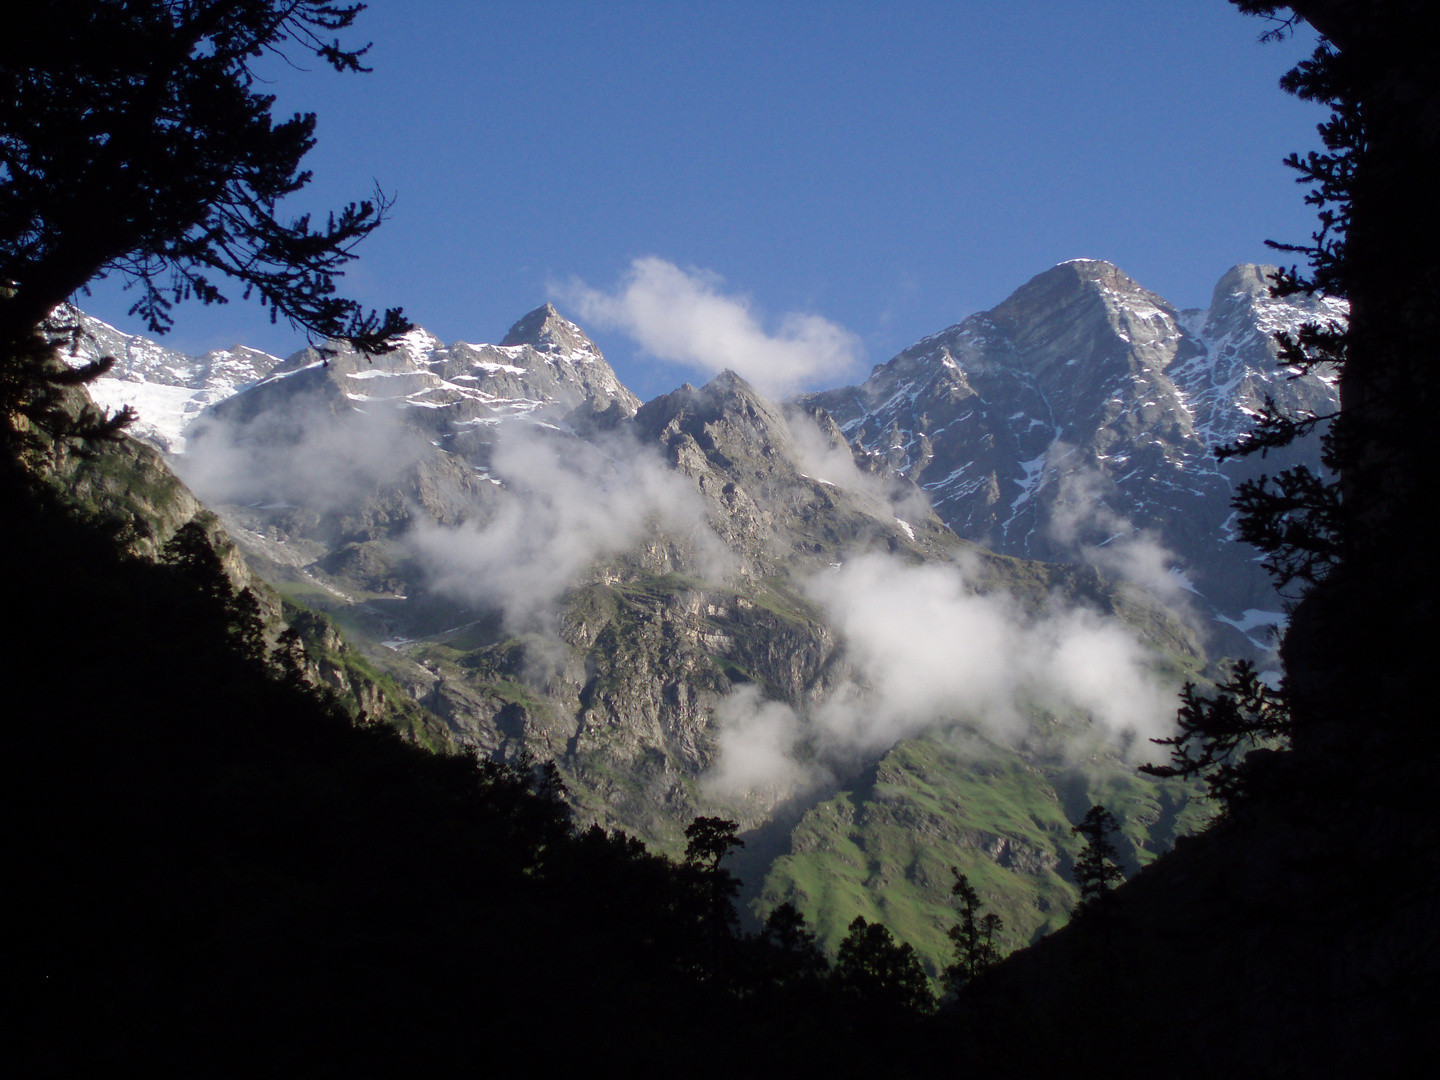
[547,360]
[168,389]
[1083,372]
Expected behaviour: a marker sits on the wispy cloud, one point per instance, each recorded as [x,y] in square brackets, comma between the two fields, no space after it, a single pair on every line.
[1088,530]
[569,504]
[684,318]
[301,454]
[757,740]
[926,651]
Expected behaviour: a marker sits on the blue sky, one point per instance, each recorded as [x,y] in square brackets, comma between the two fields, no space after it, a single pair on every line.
[886,168]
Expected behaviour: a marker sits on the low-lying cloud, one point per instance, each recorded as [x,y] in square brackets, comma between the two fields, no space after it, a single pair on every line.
[571,504]
[927,651]
[820,456]
[1084,526]
[683,318]
[756,742]
[300,455]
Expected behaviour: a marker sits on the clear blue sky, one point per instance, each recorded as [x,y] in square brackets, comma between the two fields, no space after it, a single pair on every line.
[892,167]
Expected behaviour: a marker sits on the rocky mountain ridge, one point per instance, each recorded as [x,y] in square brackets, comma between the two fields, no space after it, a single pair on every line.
[680,608]
[1083,413]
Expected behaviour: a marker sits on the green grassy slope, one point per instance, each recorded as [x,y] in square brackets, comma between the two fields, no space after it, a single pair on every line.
[884,846]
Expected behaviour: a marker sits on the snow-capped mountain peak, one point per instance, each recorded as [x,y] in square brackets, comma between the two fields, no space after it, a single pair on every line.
[545,362]
[1085,410]
[547,331]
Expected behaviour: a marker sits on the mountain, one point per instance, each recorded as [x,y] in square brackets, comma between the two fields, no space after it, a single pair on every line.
[168,389]
[696,606]
[1077,421]
[545,360]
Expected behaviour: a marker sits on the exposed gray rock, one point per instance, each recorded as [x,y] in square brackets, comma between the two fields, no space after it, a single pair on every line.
[619,680]
[1085,408]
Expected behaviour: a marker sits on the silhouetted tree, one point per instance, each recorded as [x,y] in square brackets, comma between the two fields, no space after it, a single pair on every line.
[133,141]
[191,553]
[1347,537]
[973,936]
[799,957]
[708,841]
[247,624]
[1096,871]
[1222,738]
[879,973]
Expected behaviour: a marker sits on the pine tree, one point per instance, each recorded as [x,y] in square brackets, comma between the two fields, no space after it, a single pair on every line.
[134,141]
[1347,538]
[793,959]
[1343,543]
[1096,871]
[1224,738]
[708,841]
[876,971]
[974,936]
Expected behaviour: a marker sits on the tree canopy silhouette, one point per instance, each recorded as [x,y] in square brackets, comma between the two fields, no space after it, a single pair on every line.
[881,974]
[133,141]
[1350,537]
[1096,871]
[1346,539]
[973,936]
[1226,739]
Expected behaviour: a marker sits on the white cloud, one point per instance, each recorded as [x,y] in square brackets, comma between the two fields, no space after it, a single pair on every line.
[756,740]
[301,454]
[928,652]
[825,458]
[1081,522]
[684,319]
[570,504]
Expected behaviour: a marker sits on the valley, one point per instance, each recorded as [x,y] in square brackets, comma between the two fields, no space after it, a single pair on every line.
[918,623]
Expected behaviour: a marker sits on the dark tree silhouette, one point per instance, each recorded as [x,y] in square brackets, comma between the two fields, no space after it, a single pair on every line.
[1223,738]
[973,936]
[133,141]
[786,929]
[1096,871]
[237,615]
[1343,542]
[881,974]
[783,966]
[192,554]
[708,841]
[1348,540]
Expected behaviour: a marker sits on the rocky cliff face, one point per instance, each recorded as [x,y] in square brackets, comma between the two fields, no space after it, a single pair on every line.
[1083,413]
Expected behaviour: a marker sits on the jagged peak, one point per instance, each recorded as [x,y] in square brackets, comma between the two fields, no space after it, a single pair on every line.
[722,393]
[546,330]
[726,395]
[1247,279]
[1087,265]
[1086,271]
[1079,281]
[728,383]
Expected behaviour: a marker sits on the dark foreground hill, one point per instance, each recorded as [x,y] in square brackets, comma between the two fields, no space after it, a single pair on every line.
[212,870]
[1295,939]
[215,869]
